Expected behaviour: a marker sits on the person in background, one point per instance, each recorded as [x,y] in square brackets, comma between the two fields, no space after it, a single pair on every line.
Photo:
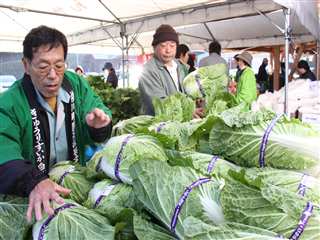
[162,75]
[191,60]
[246,90]
[48,116]
[237,76]
[110,74]
[282,75]
[214,56]
[263,76]
[182,55]
[79,70]
[304,71]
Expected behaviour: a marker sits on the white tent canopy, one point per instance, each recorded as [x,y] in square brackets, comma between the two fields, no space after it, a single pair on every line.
[127,24]
[235,23]
[307,12]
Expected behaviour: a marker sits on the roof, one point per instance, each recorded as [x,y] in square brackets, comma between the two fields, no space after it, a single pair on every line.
[87,24]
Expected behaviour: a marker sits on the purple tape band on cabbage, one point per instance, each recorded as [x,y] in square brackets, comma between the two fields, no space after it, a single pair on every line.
[197,77]
[302,188]
[63,176]
[212,163]
[264,141]
[161,125]
[98,165]
[99,199]
[182,200]
[307,212]
[119,156]
[50,218]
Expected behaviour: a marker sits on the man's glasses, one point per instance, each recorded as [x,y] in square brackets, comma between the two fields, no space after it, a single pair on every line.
[44,68]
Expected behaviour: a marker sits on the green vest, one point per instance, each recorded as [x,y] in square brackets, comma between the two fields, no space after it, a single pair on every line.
[246,87]
[16,137]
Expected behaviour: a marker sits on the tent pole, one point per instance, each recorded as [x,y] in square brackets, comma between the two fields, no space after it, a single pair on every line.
[318,60]
[113,38]
[23,9]
[124,45]
[127,59]
[193,36]
[287,13]
[209,31]
[276,73]
[123,50]
[135,36]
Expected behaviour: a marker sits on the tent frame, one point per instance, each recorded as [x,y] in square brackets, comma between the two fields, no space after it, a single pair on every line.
[287,31]
[197,14]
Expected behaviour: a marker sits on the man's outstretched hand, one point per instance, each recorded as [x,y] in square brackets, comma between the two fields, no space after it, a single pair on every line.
[97,118]
[41,196]
[198,113]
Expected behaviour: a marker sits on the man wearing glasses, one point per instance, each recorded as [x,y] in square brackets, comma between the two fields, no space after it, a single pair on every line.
[46,117]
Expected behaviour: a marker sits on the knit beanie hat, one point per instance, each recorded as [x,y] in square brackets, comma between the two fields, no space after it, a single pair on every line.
[165,33]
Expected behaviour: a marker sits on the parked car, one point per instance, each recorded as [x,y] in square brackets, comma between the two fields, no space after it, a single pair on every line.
[6,81]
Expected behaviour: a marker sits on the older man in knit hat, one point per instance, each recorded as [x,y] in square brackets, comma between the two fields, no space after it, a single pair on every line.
[162,75]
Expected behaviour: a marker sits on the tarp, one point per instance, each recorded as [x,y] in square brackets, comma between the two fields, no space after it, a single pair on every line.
[307,12]
[234,23]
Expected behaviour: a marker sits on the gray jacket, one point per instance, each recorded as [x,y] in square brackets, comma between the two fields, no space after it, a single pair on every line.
[213,59]
[155,81]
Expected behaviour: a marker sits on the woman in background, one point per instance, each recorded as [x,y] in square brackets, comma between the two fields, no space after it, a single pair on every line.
[110,74]
[246,87]
[304,71]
